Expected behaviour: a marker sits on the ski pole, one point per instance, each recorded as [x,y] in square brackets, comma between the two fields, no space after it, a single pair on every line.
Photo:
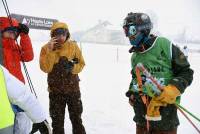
[188,119]
[184,109]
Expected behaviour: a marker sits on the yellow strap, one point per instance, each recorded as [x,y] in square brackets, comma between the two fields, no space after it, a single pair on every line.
[6,112]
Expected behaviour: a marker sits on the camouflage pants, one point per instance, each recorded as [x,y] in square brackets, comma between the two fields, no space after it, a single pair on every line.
[142,130]
[58,103]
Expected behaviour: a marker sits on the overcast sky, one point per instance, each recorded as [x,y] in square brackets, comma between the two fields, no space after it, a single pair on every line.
[82,14]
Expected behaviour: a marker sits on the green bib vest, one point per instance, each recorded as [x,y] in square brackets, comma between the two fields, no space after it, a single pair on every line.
[6,112]
[157,60]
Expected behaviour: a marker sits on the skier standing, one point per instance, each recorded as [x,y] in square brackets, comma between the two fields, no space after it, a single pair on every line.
[61,58]
[165,62]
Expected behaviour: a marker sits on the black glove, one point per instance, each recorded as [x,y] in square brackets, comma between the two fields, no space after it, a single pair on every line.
[128,93]
[131,97]
[23,28]
[43,128]
[67,65]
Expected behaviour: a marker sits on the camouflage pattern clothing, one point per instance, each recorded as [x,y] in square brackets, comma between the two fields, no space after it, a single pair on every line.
[58,103]
[62,66]
[64,89]
[61,80]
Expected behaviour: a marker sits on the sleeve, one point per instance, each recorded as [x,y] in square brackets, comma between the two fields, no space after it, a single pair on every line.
[81,63]
[19,95]
[132,72]
[130,89]
[26,48]
[47,59]
[183,74]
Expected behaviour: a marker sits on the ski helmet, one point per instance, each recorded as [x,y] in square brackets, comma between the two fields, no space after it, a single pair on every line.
[137,27]
[137,22]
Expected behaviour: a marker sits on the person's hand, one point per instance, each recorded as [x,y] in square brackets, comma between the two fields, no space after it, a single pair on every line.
[131,100]
[168,94]
[42,127]
[53,44]
[67,65]
[130,95]
[23,28]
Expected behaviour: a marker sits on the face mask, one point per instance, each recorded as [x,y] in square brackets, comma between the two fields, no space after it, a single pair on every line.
[136,40]
[134,36]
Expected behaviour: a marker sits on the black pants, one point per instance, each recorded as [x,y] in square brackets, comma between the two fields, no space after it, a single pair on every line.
[58,103]
[142,130]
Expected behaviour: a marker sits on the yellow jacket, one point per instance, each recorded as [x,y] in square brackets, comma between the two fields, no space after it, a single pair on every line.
[69,49]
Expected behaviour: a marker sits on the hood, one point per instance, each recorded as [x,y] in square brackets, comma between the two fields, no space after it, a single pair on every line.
[58,25]
[5,23]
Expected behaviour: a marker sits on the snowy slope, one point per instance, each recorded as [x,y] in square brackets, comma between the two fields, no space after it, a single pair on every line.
[104,81]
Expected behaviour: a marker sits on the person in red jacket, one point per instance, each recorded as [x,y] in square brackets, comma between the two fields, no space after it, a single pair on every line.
[11,56]
[12,52]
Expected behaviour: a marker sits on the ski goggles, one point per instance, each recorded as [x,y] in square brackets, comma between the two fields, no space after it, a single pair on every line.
[130,30]
[58,32]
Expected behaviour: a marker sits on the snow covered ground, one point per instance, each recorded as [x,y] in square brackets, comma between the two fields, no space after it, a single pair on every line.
[104,81]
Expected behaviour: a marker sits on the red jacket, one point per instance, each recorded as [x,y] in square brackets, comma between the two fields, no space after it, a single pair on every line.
[13,54]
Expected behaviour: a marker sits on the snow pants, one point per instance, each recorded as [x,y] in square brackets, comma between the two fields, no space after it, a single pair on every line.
[57,106]
[142,130]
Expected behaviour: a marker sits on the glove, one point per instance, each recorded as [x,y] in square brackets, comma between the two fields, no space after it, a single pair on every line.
[153,109]
[23,28]
[67,65]
[43,128]
[168,94]
[131,97]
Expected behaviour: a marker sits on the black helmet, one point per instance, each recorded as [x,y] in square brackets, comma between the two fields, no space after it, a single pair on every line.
[141,21]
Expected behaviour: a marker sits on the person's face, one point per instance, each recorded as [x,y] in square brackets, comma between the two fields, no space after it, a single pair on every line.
[61,38]
[9,34]
[130,32]
[60,34]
